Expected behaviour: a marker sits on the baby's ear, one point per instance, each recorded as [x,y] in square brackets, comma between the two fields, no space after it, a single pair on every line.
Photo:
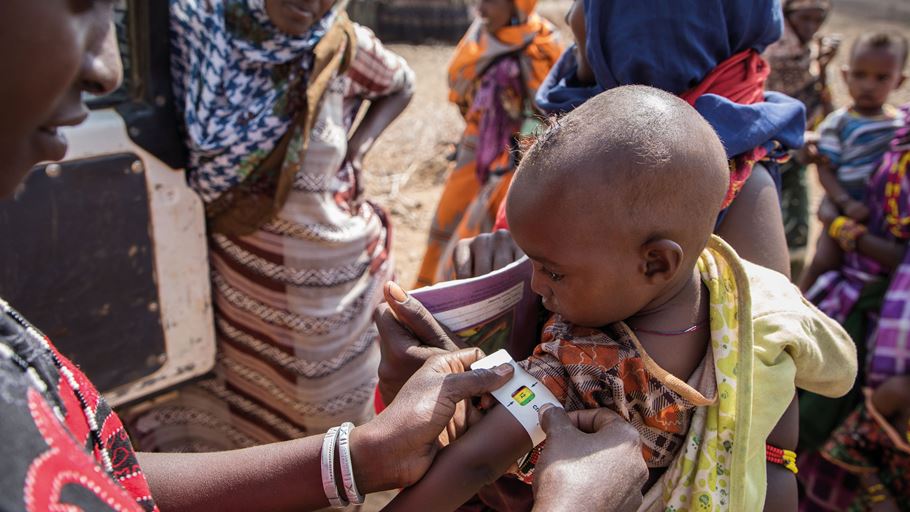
[660,260]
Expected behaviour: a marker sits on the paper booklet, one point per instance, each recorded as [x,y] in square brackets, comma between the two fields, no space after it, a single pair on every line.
[493,311]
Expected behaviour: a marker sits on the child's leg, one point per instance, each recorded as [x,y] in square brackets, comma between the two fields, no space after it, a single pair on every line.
[828,256]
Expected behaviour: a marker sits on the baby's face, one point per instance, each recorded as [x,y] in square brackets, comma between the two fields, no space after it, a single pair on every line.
[588,274]
[871,76]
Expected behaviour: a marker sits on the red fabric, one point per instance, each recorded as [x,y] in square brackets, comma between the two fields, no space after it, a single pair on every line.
[741,79]
[501,221]
[378,404]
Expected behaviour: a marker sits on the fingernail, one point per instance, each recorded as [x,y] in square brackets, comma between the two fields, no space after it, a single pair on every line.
[503,369]
[543,409]
[397,293]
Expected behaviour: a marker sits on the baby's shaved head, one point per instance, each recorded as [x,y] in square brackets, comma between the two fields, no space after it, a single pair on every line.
[633,160]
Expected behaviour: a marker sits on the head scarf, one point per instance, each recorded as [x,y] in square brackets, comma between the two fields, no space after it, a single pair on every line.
[236,79]
[532,36]
[674,45]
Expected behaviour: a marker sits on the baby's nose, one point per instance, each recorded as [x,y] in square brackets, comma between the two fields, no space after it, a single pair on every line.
[538,284]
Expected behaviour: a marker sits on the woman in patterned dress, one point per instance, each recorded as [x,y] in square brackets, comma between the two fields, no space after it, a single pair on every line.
[268,92]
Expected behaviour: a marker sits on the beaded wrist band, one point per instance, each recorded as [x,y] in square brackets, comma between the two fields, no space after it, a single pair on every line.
[846,231]
[875,494]
[329,485]
[785,458]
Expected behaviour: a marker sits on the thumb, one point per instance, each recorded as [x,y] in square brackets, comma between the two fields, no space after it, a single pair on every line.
[461,386]
[415,316]
[554,420]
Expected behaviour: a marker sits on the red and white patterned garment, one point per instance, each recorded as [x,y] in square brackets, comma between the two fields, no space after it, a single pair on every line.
[49,459]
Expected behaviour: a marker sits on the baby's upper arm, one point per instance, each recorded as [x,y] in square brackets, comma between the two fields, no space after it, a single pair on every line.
[795,341]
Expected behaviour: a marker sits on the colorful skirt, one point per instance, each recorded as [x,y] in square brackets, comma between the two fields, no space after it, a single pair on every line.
[297,350]
[466,209]
[866,443]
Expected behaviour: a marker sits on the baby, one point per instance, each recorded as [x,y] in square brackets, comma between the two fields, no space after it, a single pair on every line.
[853,140]
[652,316]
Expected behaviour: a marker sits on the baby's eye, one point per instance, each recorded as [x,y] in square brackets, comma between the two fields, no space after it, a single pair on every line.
[552,275]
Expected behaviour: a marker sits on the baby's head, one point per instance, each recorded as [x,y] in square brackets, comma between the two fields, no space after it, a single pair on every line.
[615,203]
[876,68]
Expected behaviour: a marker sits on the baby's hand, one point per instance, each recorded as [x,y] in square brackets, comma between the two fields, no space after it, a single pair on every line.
[856,211]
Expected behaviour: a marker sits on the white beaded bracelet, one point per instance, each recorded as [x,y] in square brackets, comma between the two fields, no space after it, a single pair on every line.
[347,468]
[328,469]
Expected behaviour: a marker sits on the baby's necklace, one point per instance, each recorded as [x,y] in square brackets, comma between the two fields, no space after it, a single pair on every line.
[687,330]
[43,385]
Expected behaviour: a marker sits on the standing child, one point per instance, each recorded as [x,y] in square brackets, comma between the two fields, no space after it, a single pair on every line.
[653,317]
[494,74]
[853,140]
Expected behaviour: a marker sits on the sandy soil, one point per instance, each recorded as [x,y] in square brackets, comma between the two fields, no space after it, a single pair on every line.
[407,167]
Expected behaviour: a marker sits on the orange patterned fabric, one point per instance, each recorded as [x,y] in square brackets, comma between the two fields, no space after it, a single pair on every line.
[533,38]
[472,193]
[589,368]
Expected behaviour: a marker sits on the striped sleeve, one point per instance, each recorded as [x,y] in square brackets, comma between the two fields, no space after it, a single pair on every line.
[376,71]
[829,143]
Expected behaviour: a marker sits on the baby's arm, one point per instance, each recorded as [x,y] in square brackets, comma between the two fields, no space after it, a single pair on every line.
[781,494]
[476,459]
[850,207]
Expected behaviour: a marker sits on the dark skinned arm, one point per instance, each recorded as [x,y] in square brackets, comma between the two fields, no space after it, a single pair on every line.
[280,476]
[854,209]
[393,450]
[828,179]
[887,253]
[379,116]
[754,226]
[478,458]
[781,495]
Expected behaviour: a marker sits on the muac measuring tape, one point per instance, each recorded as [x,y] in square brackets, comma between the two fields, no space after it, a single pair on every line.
[522,396]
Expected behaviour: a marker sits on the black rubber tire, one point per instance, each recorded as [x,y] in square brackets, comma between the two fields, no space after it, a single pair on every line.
[403,21]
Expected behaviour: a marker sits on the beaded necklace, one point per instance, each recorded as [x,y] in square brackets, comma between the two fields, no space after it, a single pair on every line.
[896,224]
[43,385]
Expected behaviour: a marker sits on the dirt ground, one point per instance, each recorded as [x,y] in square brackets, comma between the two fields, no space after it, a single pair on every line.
[407,166]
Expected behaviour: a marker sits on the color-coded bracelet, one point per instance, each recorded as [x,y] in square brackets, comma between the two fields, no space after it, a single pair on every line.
[785,458]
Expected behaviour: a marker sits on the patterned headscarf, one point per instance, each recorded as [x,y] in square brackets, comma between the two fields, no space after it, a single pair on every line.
[236,79]
[532,35]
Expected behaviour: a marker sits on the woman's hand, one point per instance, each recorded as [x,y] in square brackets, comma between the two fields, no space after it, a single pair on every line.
[856,211]
[827,49]
[408,337]
[592,461]
[485,253]
[809,153]
[430,410]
